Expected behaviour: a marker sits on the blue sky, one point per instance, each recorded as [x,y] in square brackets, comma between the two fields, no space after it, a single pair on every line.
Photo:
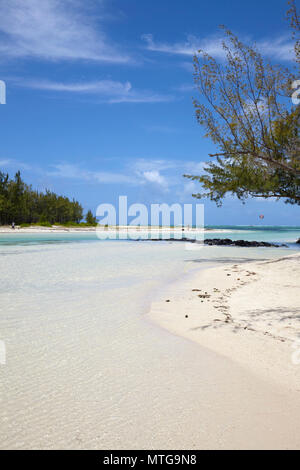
[99,96]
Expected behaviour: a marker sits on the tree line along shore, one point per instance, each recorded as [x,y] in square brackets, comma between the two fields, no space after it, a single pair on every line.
[21,205]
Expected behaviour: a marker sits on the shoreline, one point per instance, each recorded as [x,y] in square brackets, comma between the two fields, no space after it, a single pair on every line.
[212,308]
[118,229]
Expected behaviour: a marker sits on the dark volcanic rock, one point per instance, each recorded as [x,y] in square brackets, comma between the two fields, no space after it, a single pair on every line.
[221,242]
[245,243]
[298,241]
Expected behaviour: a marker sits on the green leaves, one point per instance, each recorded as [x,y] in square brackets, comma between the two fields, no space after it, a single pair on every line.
[20,204]
[244,107]
[90,219]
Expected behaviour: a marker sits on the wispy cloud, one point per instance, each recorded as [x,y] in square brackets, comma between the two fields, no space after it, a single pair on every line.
[142,97]
[106,87]
[280,48]
[55,30]
[181,166]
[14,164]
[190,187]
[159,175]
[166,173]
[5,162]
[189,47]
[137,178]
[185,87]
[71,171]
[141,165]
[108,90]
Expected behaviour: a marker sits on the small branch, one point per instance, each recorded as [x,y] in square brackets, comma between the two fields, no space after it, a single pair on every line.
[261,157]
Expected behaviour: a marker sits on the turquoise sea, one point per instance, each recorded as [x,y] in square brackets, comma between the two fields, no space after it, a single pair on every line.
[280,234]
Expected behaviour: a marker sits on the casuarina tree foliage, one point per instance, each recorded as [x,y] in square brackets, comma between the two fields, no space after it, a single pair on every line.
[19,203]
[246,108]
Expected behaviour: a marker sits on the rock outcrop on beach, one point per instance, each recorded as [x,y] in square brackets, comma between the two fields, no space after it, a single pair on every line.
[245,243]
[221,242]
[298,241]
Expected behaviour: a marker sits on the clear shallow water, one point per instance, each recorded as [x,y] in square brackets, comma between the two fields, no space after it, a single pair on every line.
[86,370]
[274,234]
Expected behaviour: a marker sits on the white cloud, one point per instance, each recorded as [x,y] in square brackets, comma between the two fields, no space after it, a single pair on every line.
[142,97]
[16,165]
[164,174]
[155,174]
[54,30]
[111,91]
[195,168]
[142,164]
[185,87]
[184,166]
[190,187]
[167,173]
[155,177]
[65,170]
[212,46]
[280,48]
[105,87]
[71,171]
[5,162]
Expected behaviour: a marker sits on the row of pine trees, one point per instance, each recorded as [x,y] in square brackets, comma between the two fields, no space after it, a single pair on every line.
[20,204]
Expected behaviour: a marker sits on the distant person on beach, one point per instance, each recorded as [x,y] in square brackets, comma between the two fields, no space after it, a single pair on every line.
[13,225]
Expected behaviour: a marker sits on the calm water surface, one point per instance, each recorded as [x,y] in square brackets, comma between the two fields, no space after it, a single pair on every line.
[84,368]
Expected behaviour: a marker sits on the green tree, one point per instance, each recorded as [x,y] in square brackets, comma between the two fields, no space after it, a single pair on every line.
[90,219]
[246,109]
[293,17]
[20,204]
[4,201]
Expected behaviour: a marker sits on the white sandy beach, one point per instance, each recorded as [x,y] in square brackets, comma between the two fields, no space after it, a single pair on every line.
[110,229]
[249,313]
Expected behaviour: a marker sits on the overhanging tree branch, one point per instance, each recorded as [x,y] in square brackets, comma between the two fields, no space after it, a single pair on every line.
[245,107]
